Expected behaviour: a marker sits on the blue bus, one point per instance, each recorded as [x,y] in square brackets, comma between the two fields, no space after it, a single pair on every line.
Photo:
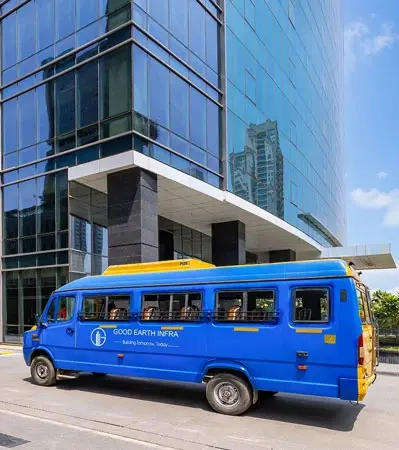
[298,327]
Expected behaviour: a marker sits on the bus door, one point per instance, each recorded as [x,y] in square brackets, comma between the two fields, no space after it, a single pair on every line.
[103,330]
[58,334]
[315,346]
[367,340]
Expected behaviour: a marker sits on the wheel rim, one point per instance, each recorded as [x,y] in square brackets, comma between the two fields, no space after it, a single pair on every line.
[227,394]
[41,371]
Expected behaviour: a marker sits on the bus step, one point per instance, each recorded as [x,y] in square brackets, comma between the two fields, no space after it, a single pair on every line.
[66,375]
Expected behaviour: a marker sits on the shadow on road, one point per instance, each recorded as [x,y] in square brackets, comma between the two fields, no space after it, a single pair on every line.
[330,414]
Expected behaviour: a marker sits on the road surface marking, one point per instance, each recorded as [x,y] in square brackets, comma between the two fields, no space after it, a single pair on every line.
[2,353]
[87,430]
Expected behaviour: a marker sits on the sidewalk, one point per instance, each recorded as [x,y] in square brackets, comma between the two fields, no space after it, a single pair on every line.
[10,348]
[388,369]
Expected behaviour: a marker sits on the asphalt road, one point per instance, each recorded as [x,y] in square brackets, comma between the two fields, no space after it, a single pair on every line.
[118,413]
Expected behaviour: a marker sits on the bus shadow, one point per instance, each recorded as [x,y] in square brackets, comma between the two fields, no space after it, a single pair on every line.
[329,414]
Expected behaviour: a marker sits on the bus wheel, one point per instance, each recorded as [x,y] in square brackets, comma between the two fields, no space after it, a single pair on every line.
[228,394]
[99,375]
[43,371]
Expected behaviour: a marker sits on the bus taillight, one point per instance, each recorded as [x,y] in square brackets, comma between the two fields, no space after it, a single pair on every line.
[360,346]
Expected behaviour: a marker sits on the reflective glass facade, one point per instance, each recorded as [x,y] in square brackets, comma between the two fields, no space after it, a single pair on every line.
[284,111]
[86,79]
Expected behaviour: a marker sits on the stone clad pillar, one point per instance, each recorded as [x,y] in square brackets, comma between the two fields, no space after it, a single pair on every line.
[132,216]
[228,243]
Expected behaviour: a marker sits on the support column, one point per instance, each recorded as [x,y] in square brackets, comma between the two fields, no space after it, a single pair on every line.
[132,216]
[228,243]
[166,246]
[277,256]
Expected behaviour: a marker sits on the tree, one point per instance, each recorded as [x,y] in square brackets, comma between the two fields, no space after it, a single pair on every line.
[386,309]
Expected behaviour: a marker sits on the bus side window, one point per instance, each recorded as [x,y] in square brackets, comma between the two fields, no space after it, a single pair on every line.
[247,306]
[229,305]
[66,307]
[363,307]
[118,307]
[100,307]
[172,306]
[261,305]
[311,305]
[360,303]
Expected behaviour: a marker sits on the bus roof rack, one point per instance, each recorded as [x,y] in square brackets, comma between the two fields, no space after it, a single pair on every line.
[157,266]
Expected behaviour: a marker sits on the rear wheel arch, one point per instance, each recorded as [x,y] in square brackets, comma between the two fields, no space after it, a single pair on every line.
[240,372]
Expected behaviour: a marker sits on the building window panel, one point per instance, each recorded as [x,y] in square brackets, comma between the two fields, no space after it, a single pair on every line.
[160,12]
[294,194]
[87,135]
[116,126]
[115,82]
[250,86]
[140,60]
[179,106]
[212,43]
[65,103]
[158,89]
[27,119]
[12,303]
[10,126]
[44,111]
[197,29]
[212,128]
[27,208]
[86,12]
[87,94]
[250,12]
[9,40]
[44,23]
[117,18]
[61,198]
[26,27]
[178,15]
[197,118]
[10,206]
[64,18]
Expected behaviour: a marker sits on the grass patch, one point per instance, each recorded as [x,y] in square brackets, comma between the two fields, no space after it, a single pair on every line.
[390,348]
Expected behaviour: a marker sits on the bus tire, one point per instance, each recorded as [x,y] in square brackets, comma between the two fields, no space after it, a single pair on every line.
[99,374]
[43,371]
[229,394]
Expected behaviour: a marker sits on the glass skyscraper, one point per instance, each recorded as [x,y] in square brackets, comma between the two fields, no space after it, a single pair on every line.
[284,97]
[242,95]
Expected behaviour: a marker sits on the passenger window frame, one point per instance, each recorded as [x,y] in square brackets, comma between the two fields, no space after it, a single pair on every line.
[106,315]
[244,292]
[169,293]
[59,298]
[311,288]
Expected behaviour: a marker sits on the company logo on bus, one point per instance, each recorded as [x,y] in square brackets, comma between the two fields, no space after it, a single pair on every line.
[98,337]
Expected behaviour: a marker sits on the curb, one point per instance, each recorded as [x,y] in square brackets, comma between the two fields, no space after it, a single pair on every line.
[392,374]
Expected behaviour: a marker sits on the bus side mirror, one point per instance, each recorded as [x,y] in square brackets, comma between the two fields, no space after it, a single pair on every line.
[38,321]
